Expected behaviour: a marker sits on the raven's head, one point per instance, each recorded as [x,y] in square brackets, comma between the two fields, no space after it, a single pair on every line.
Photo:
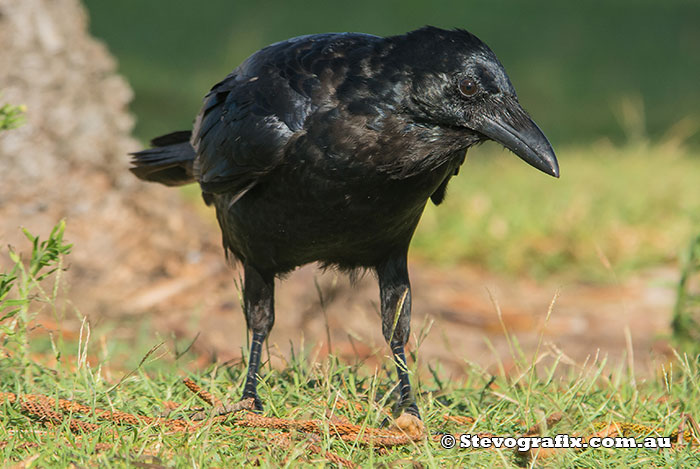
[458,83]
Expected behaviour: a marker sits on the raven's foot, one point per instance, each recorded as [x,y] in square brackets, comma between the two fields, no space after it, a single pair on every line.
[404,408]
[257,403]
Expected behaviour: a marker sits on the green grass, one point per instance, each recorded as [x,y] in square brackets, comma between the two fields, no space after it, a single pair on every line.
[586,395]
[141,375]
[11,116]
[686,313]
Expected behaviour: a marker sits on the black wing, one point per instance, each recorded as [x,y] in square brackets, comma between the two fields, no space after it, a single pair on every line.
[249,118]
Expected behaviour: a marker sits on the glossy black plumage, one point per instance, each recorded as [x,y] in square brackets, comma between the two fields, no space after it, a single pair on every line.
[326,148]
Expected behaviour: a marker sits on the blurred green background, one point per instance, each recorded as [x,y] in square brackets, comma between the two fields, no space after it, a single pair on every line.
[571,62]
[614,84]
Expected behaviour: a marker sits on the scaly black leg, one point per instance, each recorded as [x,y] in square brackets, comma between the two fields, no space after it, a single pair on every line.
[406,402]
[259,299]
[395,293]
[251,380]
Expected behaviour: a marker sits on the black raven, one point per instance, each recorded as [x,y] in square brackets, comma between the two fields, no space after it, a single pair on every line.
[326,148]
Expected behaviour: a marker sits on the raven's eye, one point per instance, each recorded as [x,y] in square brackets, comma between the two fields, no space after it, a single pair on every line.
[468,87]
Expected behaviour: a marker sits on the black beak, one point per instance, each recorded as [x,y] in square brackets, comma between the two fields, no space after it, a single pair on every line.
[524,139]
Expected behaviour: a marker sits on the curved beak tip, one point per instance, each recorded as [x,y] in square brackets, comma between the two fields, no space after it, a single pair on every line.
[550,165]
[555,172]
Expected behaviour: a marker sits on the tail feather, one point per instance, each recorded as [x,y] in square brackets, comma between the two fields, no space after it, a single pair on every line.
[169,162]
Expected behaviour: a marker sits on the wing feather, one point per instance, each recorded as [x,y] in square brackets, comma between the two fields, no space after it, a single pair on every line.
[248,119]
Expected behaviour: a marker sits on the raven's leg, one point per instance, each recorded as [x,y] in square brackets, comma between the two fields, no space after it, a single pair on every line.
[259,309]
[395,293]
